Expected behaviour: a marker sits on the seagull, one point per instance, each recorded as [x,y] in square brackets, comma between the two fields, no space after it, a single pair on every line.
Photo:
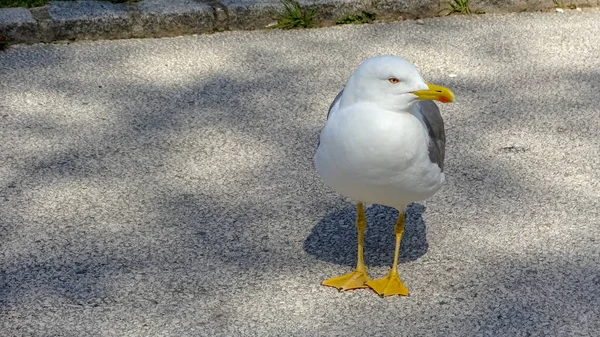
[383,143]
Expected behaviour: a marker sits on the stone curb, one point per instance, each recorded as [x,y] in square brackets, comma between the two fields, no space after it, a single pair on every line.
[91,20]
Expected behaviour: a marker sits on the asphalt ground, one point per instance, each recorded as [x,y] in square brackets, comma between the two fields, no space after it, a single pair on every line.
[165,187]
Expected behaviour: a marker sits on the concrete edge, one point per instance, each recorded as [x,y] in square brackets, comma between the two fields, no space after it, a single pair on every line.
[93,20]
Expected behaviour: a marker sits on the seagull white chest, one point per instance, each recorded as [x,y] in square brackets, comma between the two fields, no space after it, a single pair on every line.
[377,156]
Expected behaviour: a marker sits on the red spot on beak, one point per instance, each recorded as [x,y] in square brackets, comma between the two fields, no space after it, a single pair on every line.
[444,99]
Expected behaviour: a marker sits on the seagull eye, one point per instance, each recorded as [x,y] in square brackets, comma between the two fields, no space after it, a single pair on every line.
[393,80]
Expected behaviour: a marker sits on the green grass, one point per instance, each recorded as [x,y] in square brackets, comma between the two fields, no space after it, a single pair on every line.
[363,17]
[561,4]
[295,16]
[460,6]
[38,3]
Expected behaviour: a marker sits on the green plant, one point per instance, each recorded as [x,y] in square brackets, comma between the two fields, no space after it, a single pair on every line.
[296,16]
[363,17]
[460,6]
[561,4]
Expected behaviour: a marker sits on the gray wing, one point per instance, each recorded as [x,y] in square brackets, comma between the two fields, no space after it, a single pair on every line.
[429,114]
[335,101]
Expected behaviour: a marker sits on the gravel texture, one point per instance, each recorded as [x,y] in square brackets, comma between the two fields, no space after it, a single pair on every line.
[165,187]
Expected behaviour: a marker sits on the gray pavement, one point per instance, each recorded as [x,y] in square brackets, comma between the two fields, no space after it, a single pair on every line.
[165,187]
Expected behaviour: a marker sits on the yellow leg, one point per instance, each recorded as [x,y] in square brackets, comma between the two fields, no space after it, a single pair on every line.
[357,278]
[391,284]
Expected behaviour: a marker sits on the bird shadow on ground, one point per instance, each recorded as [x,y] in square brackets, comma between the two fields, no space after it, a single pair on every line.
[334,238]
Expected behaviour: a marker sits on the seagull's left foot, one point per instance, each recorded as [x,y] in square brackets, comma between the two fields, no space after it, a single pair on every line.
[389,285]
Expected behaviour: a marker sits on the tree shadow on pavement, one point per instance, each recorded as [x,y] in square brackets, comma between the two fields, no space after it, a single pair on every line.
[201,182]
[334,239]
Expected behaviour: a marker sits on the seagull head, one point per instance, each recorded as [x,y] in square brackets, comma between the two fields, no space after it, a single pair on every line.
[391,82]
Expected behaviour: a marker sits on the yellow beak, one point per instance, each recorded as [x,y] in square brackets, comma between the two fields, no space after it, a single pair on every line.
[435,93]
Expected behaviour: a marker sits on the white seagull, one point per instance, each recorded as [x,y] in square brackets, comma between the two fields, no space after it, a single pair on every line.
[383,143]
